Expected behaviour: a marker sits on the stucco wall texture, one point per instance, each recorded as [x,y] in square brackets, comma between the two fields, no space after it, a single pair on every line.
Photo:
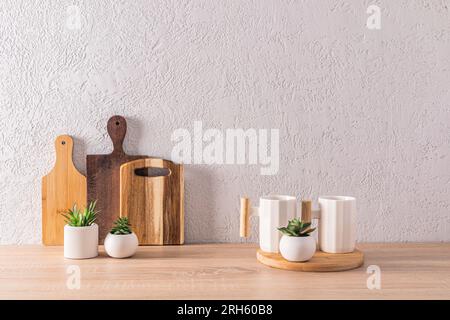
[360,112]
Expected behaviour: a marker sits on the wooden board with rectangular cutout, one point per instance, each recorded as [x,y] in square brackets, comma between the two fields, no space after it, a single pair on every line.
[63,187]
[153,204]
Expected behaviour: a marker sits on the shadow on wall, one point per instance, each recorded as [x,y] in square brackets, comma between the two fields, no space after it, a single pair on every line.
[200,216]
[133,136]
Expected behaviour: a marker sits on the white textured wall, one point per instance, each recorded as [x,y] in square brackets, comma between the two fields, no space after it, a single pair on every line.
[360,112]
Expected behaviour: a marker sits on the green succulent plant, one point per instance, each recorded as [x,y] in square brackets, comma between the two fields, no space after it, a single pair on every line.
[297,228]
[81,218]
[121,226]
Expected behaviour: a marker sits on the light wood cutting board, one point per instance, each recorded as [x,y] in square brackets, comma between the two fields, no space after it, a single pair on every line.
[153,205]
[103,176]
[61,189]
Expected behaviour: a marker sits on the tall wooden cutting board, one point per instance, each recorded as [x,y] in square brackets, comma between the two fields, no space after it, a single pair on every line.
[153,205]
[61,189]
[103,176]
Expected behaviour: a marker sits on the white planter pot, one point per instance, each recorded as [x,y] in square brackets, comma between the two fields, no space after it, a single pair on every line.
[81,242]
[121,245]
[297,248]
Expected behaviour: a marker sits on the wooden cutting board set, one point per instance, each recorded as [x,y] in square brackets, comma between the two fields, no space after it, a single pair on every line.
[121,185]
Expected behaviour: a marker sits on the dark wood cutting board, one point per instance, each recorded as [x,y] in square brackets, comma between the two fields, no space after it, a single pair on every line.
[103,176]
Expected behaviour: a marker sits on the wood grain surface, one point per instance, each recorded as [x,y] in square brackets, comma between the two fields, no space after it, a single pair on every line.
[221,271]
[103,176]
[320,262]
[306,215]
[244,225]
[154,205]
[63,187]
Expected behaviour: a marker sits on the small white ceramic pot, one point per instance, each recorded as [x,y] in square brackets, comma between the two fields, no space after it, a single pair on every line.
[121,245]
[297,249]
[81,242]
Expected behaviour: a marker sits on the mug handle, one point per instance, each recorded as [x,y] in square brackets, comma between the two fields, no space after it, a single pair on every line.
[307,213]
[246,212]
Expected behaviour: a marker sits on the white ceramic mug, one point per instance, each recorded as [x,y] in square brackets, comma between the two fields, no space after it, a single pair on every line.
[274,211]
[337,224]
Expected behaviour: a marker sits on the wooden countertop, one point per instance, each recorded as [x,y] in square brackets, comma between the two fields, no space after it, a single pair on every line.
[221,271]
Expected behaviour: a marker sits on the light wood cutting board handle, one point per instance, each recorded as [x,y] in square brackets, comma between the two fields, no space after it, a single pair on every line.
[64,150]
[306,211]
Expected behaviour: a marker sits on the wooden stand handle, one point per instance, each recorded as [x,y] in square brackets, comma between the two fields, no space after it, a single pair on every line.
[306,211]
[245,214]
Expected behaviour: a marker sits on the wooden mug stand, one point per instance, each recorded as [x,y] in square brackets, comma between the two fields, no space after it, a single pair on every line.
[320,262]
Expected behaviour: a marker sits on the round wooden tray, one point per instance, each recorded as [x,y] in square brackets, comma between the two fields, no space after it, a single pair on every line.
[320,262]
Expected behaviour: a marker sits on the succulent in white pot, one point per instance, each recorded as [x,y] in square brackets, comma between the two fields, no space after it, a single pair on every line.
[297,244]
[121,242]
[81,233]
